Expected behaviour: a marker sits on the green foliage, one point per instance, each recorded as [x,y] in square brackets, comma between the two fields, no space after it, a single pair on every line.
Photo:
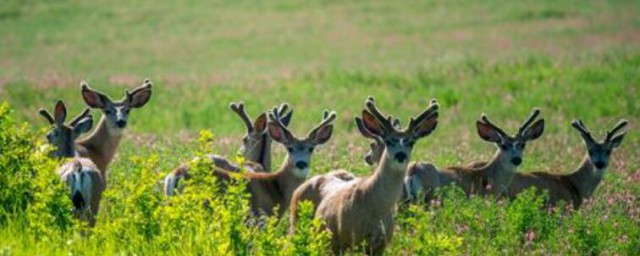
[31,192]
[310,236]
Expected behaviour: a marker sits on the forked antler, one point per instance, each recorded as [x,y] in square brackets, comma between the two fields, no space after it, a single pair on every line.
[486,120]
[146,85]
[535,112]
[327,118]
[43,112]
[621,124]
[377,114]
[430,111]
[238,108]
[78,118]
[579,125]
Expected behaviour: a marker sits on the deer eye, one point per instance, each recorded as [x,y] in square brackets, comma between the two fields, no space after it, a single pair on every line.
[608,151]
[108,111]
[311,149]
[410,143]
[126,111]
[290,149]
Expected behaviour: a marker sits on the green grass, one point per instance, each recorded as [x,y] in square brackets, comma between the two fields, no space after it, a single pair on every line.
[570,58]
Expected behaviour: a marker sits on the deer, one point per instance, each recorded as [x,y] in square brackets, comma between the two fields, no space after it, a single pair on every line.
[80,174]
[269,191]
[101,145]
[578,185]
[255,149]
[360,210]
[480,177]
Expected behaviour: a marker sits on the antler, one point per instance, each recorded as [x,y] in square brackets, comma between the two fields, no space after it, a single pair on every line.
[46,115]
[621,124]
[79,117]
[428,112]
[485,119]
[146,85]
[579,125]
[384,121]
[327,118]
[532,117]
[238,108]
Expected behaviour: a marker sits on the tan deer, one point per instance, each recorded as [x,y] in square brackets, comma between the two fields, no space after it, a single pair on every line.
[256,148]
[80,174]
[580,184]
[361,210]
[481,178]
[271,190]
[100,146]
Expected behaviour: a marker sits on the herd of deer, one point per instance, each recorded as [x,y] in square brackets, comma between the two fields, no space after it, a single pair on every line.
[356,210]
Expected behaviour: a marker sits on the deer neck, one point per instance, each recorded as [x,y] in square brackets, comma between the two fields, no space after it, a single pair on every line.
[499,172]
[101,144]
[265,153]
[287,180]
[383,189]
[585,178]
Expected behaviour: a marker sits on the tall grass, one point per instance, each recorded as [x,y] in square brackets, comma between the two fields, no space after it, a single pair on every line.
[136,219]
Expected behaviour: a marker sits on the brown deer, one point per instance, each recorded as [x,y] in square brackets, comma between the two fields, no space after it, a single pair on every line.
[100,146]
[481,178]
[580,184]
[256,148]
[271,190]
[80,174]
[361,210]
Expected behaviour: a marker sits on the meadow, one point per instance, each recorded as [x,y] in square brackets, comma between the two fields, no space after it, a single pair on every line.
[572,59]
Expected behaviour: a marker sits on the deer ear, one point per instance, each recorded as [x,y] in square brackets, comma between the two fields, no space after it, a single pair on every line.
[60,112]
[364,131]
[277,133]
[617,140]
[426,127]
[322,135]
[371,124]
[139,98]
[534,131]
[83,125]
[261,123]
[93,98]
[487,132]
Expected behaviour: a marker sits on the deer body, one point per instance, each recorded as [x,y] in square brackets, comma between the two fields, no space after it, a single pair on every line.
[101,145]
[481,178]
[256,149]
[580,184]
[80,174]
[271,190]
[361,210]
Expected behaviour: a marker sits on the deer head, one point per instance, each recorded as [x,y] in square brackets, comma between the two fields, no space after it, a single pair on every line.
[63,136]
[600,151]
[376,148]
[117,112]
[299,150]
[511,147]
[256,139]
[390,140]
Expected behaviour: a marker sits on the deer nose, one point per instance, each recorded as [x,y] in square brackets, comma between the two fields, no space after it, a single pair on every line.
[600,164]
[400,156]
[516,161]
[301,164]
[121,123]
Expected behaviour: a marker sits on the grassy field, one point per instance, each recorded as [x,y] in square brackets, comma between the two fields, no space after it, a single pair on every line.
[570,58]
